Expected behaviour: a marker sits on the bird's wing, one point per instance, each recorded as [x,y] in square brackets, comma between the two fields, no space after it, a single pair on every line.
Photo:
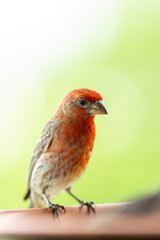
[41,147]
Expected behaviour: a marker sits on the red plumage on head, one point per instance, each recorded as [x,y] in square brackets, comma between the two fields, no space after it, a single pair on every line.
[87,94]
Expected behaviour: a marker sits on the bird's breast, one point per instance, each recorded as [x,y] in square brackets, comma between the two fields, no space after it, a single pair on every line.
[73,146]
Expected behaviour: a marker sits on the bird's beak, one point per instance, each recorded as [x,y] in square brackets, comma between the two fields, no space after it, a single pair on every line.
[98,108]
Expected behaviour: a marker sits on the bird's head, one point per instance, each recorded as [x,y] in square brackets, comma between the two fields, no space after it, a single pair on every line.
[82,103]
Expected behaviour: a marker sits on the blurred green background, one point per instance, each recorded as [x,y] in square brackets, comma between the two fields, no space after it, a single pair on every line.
[51,47]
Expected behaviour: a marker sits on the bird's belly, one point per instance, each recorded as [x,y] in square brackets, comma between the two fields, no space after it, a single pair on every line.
[65,174]
[56,171]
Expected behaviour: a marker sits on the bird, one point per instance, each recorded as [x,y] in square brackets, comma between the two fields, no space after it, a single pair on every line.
[63,150]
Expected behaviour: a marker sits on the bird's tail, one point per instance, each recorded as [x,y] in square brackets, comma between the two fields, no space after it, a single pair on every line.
[27,194]
[35,200]
[31,205]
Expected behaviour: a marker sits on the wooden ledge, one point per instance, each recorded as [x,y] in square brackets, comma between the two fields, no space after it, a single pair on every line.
[78,224]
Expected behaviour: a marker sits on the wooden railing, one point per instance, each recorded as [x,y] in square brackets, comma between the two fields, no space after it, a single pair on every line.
[77,223]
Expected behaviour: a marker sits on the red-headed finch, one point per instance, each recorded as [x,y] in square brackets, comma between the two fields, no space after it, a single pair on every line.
[61,154]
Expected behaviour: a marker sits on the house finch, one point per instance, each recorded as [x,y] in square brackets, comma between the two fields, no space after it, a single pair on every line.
[64,148]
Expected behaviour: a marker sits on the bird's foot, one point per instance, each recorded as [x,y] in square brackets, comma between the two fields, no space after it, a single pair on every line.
[55,208]
[89,206]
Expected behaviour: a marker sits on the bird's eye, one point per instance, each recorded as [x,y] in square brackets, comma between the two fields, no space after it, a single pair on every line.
[82,102]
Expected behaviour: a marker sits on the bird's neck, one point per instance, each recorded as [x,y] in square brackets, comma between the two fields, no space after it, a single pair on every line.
[74,129]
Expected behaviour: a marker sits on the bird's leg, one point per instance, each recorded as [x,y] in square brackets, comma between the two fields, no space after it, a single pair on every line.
[54,207]
[88,204]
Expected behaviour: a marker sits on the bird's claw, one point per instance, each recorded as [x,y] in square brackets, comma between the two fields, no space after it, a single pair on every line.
[89,206]
[56,207]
